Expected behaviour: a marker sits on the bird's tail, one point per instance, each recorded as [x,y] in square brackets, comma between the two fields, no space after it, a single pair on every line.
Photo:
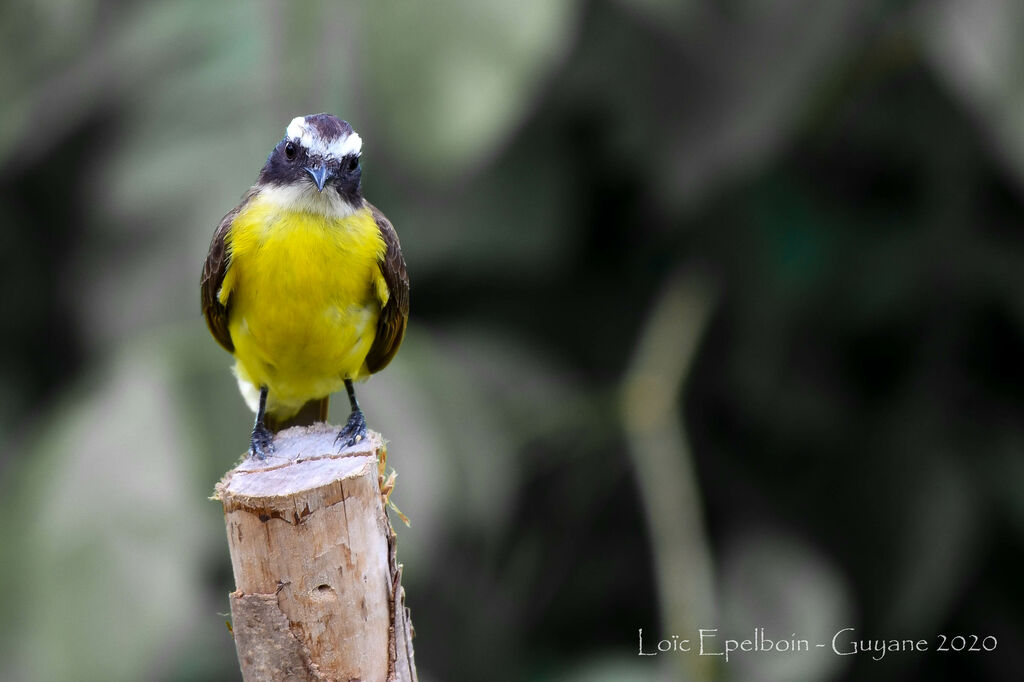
[310,413]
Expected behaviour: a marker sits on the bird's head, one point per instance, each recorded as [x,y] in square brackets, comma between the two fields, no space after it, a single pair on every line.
[317,163]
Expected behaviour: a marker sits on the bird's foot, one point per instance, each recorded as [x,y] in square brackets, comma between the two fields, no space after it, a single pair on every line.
[262,443]
[354,430]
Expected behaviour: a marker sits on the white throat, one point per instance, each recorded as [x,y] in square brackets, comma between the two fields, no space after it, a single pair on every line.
[304,197]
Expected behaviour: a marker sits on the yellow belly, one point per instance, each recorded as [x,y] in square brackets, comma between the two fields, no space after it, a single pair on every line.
[304,293]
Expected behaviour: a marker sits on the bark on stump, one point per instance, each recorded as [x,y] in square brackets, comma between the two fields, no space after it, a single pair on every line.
[318,588]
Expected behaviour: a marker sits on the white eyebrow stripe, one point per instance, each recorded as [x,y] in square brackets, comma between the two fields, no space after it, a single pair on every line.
[350,144]
[311,140]
[297,128]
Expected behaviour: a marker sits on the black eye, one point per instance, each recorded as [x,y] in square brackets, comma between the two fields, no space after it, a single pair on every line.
[353,163]
[290,150]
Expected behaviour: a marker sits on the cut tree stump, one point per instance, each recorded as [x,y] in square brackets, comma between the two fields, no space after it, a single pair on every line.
[318,592]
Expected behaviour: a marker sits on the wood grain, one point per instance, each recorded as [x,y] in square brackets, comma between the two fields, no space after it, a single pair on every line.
[310,539]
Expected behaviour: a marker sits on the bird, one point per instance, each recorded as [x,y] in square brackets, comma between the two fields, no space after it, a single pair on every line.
[305,283]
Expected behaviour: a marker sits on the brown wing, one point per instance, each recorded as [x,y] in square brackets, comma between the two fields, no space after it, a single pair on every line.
[216,266]
[393,317]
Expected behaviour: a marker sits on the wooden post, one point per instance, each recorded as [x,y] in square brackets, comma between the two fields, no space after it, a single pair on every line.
[318,593]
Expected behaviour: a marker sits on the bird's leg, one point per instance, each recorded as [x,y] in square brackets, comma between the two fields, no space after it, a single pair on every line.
[262,442]
[355,429]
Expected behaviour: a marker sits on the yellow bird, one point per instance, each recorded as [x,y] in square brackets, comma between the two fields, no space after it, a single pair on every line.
[305,282]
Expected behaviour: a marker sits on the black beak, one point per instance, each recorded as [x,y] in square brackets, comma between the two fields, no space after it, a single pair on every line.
[320,175]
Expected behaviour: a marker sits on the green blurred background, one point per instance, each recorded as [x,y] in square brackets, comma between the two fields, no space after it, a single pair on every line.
[717,319]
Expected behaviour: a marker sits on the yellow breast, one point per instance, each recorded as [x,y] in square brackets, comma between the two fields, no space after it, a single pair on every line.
[304,291]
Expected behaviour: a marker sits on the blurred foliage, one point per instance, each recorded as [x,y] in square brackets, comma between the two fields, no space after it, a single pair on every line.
[846,175]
